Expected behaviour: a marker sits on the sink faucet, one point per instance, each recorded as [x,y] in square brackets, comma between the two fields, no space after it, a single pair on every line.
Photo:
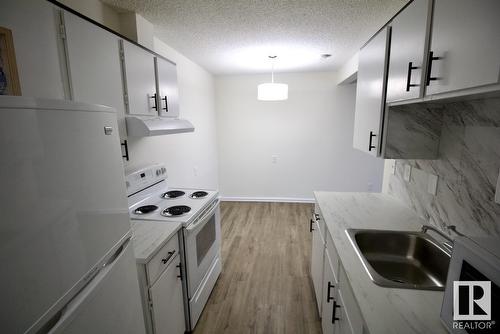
[449,241]
[454,229]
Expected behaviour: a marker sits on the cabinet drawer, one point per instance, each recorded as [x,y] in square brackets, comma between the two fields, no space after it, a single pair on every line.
[332,254]
[162,259]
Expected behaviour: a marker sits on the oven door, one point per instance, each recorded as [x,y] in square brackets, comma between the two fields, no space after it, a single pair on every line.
[202,245]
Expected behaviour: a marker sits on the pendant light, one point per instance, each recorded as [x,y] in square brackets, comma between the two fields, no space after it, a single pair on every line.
[272,91]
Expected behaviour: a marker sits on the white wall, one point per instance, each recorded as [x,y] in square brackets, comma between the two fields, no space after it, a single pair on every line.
[310,133]
[191,158]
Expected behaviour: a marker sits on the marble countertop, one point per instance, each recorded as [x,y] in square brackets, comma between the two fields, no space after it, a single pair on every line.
[149,236]
[384,310]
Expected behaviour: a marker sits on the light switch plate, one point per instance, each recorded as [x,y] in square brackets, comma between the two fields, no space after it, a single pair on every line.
[432,183]
[497,191]
[407,173]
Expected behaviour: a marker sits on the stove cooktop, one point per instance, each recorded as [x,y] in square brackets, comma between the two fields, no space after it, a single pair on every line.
[173,194]
[198,194]
[176,210]
[161,204]
[145,209]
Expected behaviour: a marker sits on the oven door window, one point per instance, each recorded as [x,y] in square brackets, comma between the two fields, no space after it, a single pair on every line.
[205,239]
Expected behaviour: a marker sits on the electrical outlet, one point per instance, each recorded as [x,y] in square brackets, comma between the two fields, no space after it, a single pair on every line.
[432,183]
[274,159]
[393,167]
[369,187]
[195,170]
[497,191]
[407,173]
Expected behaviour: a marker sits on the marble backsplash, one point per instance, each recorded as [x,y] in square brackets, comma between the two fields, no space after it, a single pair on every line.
[467,167]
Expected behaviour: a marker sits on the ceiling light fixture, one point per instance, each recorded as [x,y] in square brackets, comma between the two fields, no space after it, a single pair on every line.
[272,91]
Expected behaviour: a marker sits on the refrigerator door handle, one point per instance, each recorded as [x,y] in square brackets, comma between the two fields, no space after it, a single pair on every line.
[56,323]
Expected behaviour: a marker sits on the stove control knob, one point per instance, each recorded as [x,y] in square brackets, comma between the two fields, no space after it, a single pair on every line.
[157,172]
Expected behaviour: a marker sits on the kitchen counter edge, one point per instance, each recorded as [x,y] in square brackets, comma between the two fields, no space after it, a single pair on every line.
[149,236]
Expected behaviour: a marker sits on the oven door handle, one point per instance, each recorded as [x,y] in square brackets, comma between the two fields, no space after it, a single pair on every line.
[209,211]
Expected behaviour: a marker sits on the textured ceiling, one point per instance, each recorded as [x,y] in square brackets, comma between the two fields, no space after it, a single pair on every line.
[236,36]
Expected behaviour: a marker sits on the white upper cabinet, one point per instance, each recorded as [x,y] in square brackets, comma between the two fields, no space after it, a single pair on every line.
[139,80]
[168,93]
[409,31]
[93,58]
[465,45]
[34,25]
[370,93]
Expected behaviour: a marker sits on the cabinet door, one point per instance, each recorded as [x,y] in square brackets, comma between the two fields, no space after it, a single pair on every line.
[370,93]
[168,305]
[140,84]
[466,44]
[342,325]
[350,320]
[406,61]
[34,25]
[94,65]
[329,291]
[317,256]
[168,92]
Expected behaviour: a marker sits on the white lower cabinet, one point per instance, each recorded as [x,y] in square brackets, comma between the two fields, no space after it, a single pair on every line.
[349,319]
[342,325]
[167,303]
[161,290]
[340,313]
[318,251]
[329,304]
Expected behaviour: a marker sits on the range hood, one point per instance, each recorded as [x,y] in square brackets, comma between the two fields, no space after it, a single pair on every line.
[146,126]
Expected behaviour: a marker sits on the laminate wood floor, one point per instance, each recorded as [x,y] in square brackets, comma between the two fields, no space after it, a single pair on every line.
[265,285]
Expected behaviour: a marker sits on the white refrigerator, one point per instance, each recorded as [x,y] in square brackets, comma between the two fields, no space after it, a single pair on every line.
[65,250]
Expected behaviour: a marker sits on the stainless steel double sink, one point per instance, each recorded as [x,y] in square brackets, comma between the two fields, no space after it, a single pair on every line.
[402,259]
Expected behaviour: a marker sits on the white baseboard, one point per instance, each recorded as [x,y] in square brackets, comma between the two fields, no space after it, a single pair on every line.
[267,199]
